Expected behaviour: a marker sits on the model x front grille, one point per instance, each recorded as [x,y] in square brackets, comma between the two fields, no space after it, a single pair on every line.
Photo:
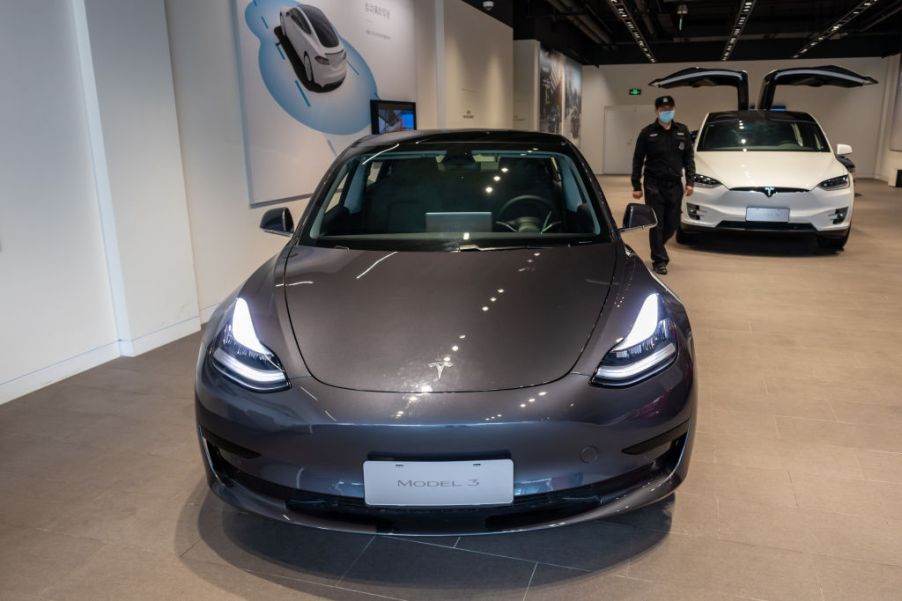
[769,190]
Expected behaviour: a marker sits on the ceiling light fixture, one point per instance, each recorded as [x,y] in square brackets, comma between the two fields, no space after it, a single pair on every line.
[833,29]
[620,9]
[742,17]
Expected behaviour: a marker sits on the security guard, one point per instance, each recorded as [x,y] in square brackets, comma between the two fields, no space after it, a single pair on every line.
[665,147]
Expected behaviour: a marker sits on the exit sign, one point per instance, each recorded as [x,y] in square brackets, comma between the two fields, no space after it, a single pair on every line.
[635,91]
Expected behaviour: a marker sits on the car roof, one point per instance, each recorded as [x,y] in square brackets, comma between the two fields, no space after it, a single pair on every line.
[462,136]
[758,115]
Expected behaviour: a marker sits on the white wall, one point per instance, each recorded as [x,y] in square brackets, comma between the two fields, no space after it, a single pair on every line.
[428,38]
[141,185]
[56,314]
[478,68]
[850,116]
[526,85]
[889,161]
[227,242]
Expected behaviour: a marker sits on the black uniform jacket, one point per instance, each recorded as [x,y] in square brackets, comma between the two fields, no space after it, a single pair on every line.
[665,153]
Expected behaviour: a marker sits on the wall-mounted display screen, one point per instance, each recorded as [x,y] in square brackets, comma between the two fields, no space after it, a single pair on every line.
[392,115]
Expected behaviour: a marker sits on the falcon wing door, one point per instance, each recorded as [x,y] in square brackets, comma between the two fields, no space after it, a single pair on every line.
[828,75]
[698,76]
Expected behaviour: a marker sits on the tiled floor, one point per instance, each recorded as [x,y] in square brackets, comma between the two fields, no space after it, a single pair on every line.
[795,491]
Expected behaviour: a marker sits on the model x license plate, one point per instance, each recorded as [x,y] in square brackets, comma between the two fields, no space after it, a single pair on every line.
[438,483]
[766,214]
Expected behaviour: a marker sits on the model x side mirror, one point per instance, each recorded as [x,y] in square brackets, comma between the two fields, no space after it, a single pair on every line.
[277,221]
[638,217]
[843,149]
[693,134]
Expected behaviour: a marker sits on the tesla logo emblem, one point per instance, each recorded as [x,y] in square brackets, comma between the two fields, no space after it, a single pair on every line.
[440,366]
[769,191]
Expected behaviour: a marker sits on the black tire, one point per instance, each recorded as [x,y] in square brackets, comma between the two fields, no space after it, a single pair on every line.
[684,237]
[831,243]
[307,63]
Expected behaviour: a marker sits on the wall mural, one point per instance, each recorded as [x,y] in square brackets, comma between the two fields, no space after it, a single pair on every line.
[573,99]
[551,82]
[560,94]
[308,72]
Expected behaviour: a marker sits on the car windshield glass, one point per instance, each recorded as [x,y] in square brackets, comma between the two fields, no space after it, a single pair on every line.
[762,135]
[454,200]
[321,25]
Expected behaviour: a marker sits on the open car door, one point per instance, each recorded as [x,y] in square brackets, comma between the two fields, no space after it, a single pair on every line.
[698,76]
[829,75]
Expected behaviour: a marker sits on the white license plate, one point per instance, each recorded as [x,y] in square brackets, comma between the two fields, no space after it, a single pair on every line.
[766,214]
[438,483]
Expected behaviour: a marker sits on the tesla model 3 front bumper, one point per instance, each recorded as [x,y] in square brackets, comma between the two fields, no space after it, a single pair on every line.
[579,452]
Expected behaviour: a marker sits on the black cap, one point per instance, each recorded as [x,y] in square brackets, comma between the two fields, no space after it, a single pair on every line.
[662,100]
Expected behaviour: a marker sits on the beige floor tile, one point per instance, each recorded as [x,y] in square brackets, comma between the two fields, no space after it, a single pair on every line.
[31,560]
[552,584]
[878,465]
[731,568]
[864,538]
[853,497]
[771,487]
[115,573]
[858,581]
[820,432]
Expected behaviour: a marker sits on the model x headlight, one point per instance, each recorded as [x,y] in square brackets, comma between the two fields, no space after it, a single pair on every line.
[835,183]
[703,181]
[240,356]
[649,348]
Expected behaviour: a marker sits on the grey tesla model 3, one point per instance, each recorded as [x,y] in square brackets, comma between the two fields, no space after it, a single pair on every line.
[455,339]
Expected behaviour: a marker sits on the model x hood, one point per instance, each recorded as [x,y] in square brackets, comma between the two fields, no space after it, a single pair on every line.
[445,321]
[781,169]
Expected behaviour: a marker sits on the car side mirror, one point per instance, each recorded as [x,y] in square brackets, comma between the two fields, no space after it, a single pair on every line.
[277,221]
[693,134]
[638,217]
[843,149]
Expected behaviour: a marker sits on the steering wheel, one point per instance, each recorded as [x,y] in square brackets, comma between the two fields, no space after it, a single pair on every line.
[527,223]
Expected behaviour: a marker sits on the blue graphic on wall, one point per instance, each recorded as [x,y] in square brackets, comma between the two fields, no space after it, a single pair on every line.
[312,72]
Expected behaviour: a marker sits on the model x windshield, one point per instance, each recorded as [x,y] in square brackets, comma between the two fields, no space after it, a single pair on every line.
[762,135]
[322,26]
[458,199]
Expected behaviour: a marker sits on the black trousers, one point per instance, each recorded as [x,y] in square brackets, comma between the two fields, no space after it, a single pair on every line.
[665,197]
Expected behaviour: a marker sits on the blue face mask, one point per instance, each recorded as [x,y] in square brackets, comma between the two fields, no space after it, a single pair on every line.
[666,116]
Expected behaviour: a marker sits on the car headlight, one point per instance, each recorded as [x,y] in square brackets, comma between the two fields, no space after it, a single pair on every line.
[321,60]
[835,183]
[703,181]
[649,348]
[240,356]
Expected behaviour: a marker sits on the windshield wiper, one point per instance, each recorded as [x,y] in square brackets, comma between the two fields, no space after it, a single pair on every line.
[471,247]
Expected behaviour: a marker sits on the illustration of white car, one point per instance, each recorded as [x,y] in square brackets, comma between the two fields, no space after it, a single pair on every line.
[316,44]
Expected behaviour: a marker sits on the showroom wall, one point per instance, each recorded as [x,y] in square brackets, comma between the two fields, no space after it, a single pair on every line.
[478,68]
[56,310]
[125,206]
[889,160]
[850,116]
[227,241]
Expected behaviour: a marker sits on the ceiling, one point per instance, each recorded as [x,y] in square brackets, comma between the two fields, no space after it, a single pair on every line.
[594,32]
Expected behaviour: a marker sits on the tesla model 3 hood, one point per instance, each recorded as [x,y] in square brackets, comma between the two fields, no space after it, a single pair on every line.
[780,169]
[445,321]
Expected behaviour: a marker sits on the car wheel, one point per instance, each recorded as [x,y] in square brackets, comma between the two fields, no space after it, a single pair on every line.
[684,237]
[830,243]
[308,69]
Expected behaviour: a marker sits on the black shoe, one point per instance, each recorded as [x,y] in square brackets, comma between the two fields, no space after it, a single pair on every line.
[661,268]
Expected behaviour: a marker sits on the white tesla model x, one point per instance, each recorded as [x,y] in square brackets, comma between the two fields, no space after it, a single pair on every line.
[316,44]
[767,169]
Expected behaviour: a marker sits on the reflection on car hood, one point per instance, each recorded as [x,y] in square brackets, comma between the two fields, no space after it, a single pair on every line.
[445,321]
[781,169]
